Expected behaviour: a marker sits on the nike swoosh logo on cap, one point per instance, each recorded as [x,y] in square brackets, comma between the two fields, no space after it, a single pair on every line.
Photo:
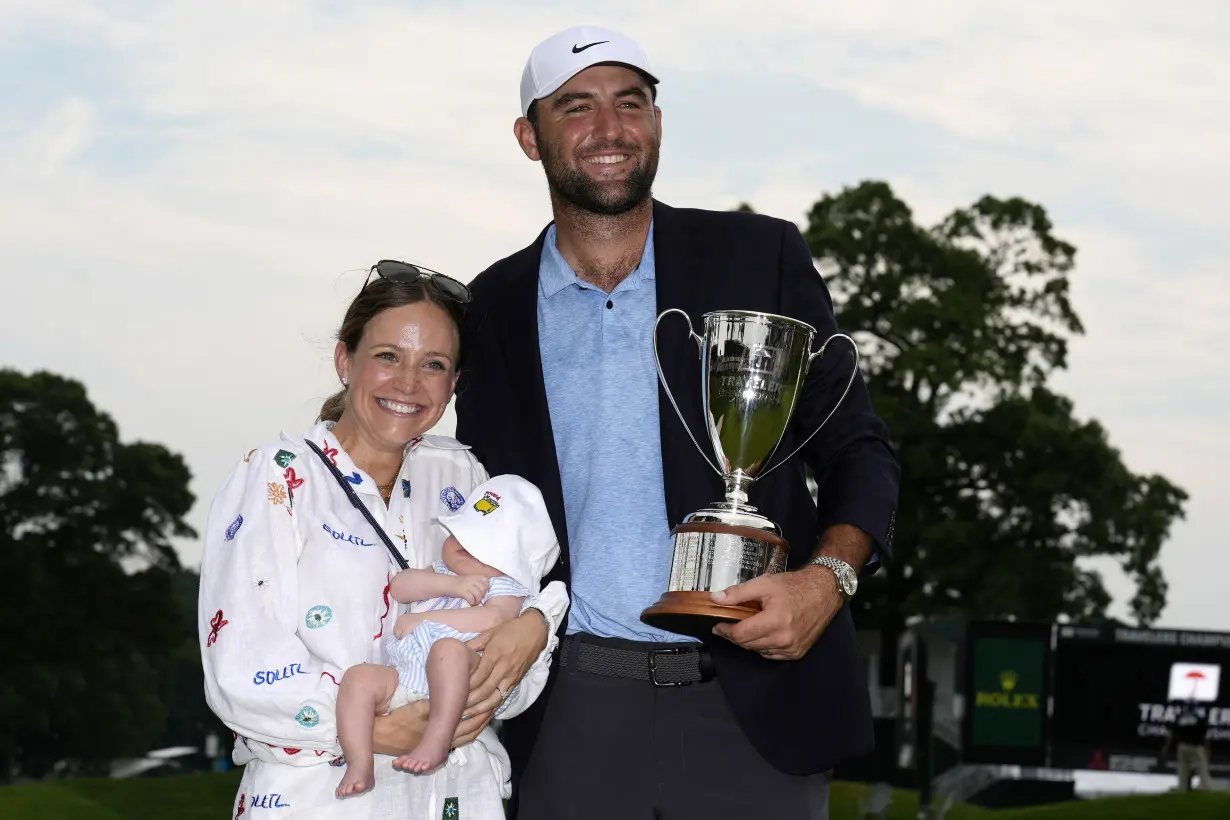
[576,49]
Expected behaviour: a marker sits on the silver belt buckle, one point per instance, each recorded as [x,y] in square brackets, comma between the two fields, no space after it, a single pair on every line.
[653,667]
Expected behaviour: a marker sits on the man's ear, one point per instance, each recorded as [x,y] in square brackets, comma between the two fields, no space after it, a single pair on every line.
[523,130]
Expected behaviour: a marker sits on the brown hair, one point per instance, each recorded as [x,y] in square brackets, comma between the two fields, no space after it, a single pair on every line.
[379,296]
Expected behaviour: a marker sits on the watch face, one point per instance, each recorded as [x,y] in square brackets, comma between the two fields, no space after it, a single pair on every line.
[849,582]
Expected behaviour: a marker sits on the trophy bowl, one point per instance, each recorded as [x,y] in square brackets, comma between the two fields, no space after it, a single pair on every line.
[752,369]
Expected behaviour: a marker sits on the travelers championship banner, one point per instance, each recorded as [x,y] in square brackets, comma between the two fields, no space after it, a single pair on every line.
[1075,697]
[1117,690]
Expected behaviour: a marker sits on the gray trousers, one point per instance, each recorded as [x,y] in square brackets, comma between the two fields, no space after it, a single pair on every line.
[613,748]
[1192,759]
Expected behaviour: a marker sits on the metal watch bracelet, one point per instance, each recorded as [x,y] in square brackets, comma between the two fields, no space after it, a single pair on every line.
[843,573]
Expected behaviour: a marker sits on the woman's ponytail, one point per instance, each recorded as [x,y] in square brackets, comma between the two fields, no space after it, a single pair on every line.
[332,409]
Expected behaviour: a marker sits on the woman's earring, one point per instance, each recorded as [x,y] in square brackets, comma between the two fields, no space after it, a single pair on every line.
[345,382]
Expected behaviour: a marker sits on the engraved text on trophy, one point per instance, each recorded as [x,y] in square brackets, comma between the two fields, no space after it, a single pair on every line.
[750,398]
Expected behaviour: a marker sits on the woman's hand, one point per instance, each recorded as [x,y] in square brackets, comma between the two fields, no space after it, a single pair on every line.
[509,651]
[400,730]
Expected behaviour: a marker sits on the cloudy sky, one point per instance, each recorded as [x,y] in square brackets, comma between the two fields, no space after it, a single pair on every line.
[192,191]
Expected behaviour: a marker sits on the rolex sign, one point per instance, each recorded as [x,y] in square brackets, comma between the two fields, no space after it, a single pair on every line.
[1008,708]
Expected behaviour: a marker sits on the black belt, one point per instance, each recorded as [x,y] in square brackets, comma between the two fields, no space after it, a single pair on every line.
[659,664]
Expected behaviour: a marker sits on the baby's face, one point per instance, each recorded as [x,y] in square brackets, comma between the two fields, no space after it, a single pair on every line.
[463,563]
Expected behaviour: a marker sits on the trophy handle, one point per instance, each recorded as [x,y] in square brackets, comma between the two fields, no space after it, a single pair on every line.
[849,384]
[700,345]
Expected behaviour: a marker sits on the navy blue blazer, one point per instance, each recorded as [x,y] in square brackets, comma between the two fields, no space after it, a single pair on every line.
[804,716]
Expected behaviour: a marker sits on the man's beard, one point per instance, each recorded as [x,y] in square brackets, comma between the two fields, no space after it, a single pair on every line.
[578,189]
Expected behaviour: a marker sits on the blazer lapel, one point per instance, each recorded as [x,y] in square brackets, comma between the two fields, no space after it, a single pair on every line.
[518,335]
[677,278]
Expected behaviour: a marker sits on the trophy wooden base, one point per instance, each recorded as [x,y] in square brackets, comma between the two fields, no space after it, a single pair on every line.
[700,546]
[694,613]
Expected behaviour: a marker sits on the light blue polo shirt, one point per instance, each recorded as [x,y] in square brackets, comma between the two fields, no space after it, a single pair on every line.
[602,390]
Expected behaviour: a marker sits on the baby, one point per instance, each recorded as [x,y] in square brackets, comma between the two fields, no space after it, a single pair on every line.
[499,548]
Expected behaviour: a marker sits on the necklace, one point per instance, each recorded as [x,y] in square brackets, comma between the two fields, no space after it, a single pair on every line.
[386,488]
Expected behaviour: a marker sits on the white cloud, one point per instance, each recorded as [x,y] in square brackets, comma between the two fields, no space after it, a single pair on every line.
[285,146]
[58,139]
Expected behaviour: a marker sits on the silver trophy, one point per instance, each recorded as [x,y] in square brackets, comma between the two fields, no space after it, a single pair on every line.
[752,369]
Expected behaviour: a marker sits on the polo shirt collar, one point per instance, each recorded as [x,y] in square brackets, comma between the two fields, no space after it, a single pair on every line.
[555,274]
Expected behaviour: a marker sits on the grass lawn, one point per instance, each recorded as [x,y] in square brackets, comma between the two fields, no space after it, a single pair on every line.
[209,797]
[843,805]
[1190,806]
[189,797]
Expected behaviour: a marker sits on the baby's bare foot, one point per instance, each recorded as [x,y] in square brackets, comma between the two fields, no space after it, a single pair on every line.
[358,779]
[423,757]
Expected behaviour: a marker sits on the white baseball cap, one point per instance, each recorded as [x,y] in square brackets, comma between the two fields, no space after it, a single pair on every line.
[562,56]
[505,524]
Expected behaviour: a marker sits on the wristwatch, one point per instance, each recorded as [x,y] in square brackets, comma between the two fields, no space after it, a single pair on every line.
[847,578]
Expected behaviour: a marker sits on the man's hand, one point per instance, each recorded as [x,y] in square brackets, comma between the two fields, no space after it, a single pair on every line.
[508,651]
[471,588]
[796,608]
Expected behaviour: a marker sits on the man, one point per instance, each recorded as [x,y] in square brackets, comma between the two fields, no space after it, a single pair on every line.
[1189,734]
[560,386]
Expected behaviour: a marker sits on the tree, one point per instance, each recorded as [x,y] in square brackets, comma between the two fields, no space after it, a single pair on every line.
[181,679]
[75,504]
[1003,490]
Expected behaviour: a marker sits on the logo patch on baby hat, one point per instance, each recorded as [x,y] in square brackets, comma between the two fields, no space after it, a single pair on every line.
[489,503]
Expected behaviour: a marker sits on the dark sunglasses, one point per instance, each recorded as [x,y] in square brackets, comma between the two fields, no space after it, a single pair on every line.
[396,271]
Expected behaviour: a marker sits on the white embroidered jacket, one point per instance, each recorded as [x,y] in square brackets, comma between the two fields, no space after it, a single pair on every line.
[294,587]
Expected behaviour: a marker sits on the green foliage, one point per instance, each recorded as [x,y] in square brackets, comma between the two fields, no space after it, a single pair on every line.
[75,504]
[181,679]
[960,325]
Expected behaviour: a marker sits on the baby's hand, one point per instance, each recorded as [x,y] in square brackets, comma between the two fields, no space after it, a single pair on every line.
[406,623]
[471,587]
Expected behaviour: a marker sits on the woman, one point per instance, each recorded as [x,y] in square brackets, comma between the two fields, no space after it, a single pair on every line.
[295,579]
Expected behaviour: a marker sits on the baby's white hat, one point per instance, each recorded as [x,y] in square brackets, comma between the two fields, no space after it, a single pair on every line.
[505,524]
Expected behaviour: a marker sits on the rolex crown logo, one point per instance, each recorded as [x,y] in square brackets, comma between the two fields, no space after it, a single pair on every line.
[1007,679]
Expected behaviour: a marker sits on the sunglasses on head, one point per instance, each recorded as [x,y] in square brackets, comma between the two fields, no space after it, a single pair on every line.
[395,271]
